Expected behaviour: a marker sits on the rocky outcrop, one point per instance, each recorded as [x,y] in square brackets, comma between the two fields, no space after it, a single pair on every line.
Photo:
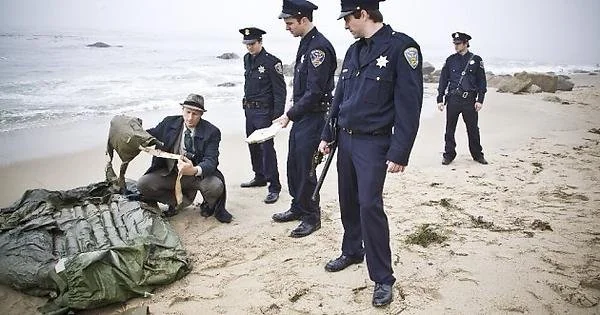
[515,85]
[228,56]
[564,84]
[497,80]
[546,82]
[428,68]
[523,81]
[534,89]
[99,45]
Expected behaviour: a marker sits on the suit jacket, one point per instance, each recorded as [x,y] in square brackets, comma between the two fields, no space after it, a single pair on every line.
[206,142]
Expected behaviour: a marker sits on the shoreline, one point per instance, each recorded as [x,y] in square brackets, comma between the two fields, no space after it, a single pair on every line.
[544,160]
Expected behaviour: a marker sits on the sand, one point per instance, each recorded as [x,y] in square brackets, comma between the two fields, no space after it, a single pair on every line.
[522,233]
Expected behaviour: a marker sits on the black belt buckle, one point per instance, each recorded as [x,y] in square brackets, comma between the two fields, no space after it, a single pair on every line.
[465,94]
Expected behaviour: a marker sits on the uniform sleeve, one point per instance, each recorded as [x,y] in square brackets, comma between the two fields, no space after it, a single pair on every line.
[279,92]
[408,99]
[481,81]
[443,84]
[246,65]
[210,160]
[316,82]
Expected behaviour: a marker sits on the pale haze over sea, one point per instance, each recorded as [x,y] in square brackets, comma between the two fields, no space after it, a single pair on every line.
[48,76]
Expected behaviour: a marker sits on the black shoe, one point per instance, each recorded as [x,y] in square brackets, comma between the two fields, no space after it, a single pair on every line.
[286,216]
[481,160]
[305,229]
[171,211]
[446,161]
[223,216]
[205,210]
[272,197]
[254,183]
[342,263]
[382,295]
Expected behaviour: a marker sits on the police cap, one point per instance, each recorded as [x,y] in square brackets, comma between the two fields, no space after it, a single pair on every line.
[251,35]
[458,37]
[349,6]
[296,7]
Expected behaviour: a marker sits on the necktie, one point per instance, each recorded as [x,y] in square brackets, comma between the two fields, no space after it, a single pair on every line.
[187,141]
[365,50]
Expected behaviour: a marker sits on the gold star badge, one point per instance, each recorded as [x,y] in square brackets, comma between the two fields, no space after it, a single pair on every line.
[382,61]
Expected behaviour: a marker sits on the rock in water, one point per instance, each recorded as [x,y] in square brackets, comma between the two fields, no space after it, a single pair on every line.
[228,56]
[99,45]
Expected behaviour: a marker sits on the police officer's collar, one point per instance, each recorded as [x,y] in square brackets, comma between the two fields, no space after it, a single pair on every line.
[261,52]
[309,35]
[381,33]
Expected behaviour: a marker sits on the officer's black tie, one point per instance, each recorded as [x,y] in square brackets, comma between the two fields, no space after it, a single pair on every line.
[187,141]
[365,50]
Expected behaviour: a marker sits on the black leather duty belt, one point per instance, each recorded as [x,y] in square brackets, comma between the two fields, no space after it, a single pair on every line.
[378,132]
[254,104]
[464,94]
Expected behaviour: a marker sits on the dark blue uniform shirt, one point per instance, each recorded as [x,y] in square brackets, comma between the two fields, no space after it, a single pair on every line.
[474,80]
[313,75]
[264,81]
[380,88]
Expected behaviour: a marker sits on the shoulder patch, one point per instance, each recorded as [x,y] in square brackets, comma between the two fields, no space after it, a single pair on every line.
[481,64]
[279,68]
[316,57]
[412,57]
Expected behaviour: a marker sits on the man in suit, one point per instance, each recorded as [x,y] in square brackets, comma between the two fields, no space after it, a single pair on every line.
[197,141]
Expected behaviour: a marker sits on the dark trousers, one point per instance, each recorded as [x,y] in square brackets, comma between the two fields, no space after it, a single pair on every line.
[456,106]
[160,186]
[304,141]
[262,155]
[361,176]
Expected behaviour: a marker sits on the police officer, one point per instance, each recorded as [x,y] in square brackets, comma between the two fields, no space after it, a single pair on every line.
[463,75]
[380,89]
[264,100]
[313,83]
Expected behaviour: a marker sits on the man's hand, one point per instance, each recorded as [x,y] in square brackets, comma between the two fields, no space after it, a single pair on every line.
[284,120]
[324,147]
[394,168]
[441,106]
[478,106]
[186,167]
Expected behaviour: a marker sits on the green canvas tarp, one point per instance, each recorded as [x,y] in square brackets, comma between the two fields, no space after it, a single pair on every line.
[87,247]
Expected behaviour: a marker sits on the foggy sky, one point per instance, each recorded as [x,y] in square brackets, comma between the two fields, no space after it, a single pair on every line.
[545,30]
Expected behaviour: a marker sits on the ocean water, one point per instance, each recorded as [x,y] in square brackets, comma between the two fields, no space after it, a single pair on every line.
[49,80]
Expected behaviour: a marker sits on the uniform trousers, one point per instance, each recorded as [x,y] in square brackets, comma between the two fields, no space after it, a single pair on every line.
[362,168]
[262,155]
[161,188]
[465,106]
[305,137]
